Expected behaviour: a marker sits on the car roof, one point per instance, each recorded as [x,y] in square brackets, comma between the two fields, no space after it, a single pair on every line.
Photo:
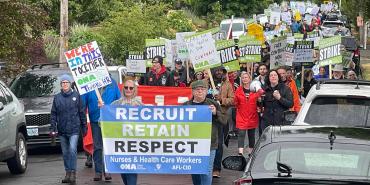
[300,133]
[235,20]
[46,71]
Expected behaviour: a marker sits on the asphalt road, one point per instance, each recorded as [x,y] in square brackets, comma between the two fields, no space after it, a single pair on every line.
[45,167]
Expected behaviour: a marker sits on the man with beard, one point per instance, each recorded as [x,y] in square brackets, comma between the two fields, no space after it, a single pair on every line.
[293,87]
[225,97]
[338,72]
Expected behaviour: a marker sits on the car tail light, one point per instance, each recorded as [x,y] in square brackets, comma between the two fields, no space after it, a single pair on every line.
[356,53]
[243,181]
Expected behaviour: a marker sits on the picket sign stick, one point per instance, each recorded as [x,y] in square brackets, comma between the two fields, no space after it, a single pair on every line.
[330,75]
[211,79]
[100,100]
[252,70]
[187,71]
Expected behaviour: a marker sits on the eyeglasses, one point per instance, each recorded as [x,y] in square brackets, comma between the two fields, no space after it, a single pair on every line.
[127,87]
[155,62]
[65,82]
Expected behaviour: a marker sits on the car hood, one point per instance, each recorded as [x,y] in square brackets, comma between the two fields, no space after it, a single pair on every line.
[37,104]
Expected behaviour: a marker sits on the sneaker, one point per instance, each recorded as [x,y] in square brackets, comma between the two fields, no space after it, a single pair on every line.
[216,174]
[98,177]
[88,162]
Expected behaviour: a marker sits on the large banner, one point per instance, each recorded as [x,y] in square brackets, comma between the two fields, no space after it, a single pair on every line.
[156,139]
[152,95]
[154,47]
[330,51]
[278,46]
[250,49]
[88,68]
[202,51]
[226,51]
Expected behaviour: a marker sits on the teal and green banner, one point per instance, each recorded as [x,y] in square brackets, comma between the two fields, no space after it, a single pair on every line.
[250,49]
[156,139]
[330,51]
[226,51]
[154,47]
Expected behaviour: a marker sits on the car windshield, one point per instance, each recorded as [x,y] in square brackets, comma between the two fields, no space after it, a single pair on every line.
[35,85]
[315,158]
[236,27]
[332,24]
[341,111]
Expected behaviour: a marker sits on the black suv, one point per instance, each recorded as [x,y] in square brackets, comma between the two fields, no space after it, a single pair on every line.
[36,89]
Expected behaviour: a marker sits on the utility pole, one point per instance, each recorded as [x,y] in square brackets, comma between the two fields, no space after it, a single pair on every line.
[63,38]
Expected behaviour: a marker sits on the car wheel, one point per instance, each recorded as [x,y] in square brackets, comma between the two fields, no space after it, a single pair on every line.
[18,163]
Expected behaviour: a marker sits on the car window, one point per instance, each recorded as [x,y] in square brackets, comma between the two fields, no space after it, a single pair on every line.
[332,24]
[315,158]
[8,95]
[2,97]
[341,111]
[236,27]
[32,85]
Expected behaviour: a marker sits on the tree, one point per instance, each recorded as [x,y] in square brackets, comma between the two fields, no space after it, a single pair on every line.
[21,30]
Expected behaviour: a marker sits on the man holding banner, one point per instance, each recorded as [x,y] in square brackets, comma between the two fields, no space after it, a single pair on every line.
[199,90]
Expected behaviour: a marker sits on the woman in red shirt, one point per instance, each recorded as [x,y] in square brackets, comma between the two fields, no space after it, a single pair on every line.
[246,113]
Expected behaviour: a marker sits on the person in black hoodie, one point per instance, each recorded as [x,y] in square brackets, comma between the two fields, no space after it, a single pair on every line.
[278,98]
[158,75]
[68,119]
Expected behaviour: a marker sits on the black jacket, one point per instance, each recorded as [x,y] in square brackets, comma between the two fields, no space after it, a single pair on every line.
[160,79]
[307,86]
[273,113]
[218,120]
[67,114]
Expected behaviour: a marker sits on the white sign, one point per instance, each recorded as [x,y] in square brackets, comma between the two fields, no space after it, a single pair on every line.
[275,18]
[182,50]
[308,18]
[202,51]
[278,46]
[286,17]
[264,20]
[88,67]
[136,66]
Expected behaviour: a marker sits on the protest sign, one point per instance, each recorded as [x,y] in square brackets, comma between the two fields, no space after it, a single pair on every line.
[226,51]
[154,47]
[315,10]
[301,7]
[308,18]
[256,30]
[289,54]
[286,17]
[135,55]
[182,50]
[330,51]
[263,20]
[267,12]
[303,51]
[275,18]
[88,68]
[277,49]
[202,51]
[297,16]
[250,49]
[136,66]
[156,139]
[315,37]
[347,58]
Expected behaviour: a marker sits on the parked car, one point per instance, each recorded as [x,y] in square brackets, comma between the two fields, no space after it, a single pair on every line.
[36,89]
[288,155]
[239,27]
[13,133]
[118,73]
[336,102]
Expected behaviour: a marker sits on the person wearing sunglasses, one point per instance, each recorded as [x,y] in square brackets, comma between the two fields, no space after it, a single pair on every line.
[158,75]
[129,97]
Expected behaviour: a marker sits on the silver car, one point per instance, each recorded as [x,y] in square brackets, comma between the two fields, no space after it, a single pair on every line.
[13,147]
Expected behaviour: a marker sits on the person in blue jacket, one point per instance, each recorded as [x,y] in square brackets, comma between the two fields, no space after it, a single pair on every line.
[109,94]
[68,119]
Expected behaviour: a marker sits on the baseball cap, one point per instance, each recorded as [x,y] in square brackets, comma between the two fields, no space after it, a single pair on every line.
[199,83]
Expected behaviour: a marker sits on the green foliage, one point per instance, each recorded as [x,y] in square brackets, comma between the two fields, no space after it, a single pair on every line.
[215,16]
[178,22]
[51,45]
[127,29]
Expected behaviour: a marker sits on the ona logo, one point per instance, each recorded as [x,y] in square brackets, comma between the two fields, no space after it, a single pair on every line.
[158,166]
[128,166]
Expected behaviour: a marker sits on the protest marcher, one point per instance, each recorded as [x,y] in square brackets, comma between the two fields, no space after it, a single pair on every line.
[262,71]
[338,72]
[235,81]
[108,94]
[198,76]
[322,74]
[293,88]
[309,81]
[68,119]
[175,80]
[265,56]
[246,113]
[199,91]
[351,75]
[304,29]
[158,75]
[255,70]
[278,99]
[295,26]
[181,71]
[129,97]
[226,99]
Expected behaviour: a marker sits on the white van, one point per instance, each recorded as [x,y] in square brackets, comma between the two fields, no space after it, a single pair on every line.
[239,27]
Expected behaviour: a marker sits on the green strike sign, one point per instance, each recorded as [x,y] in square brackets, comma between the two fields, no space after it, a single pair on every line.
[250,49]
[330,51]
[154,47]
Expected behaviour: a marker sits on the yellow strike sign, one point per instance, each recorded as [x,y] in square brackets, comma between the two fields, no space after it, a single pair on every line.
[256,30]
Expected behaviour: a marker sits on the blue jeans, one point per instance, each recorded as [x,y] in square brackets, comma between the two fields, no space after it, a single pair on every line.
[129,178]
[98,147]
[205,179]
[220,150]
[69,150]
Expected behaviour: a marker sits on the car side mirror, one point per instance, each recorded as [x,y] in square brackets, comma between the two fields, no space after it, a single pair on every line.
[289,117]
[236,163]
[1,106]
